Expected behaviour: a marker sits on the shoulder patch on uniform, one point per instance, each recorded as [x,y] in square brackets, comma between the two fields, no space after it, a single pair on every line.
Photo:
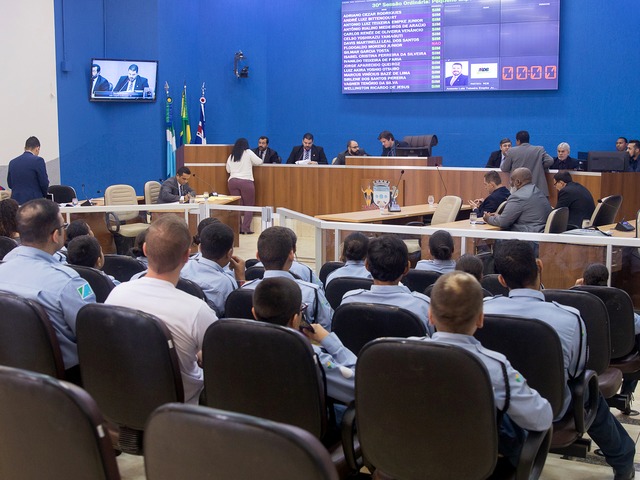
[85,291]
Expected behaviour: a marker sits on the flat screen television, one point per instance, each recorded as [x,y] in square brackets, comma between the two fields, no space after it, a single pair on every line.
[122,80]
[607,161]
[449,46]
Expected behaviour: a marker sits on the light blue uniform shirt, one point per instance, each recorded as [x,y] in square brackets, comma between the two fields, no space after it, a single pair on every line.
[311,295]
[440,266]
[36,275]
[566,321]
[351,268]
[214,280]
[526,407]
[338,363]
[304,272]
[396,296]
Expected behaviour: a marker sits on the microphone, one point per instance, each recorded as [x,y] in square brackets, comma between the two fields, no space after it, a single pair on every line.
[393,206]
[212,191]
[87,202]
[441,179]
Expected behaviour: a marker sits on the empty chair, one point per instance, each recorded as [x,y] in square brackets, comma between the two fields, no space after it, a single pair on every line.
[6,245]
[100,283]
[121,267]
[62,193]
[419,280]
[493,285]
[356,324]
[606,210]
[124,226]
[339,286]
[239,304]
[418,145]
[410,429]
[188,441]
[27,338]
[151,192]
[326,269]
[129,366]
[51,429]
[557,220]
[447,210]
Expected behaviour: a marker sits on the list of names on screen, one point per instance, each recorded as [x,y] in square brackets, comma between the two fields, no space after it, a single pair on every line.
[449,45]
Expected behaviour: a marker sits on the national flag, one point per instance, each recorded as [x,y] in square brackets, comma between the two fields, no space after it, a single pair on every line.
[171,138]
[185,133]
[201,136]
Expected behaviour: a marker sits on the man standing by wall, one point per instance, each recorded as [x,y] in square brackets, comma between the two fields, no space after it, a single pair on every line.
[27,177]
[529,156]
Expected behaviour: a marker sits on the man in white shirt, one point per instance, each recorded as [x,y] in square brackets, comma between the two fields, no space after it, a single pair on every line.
[187,317]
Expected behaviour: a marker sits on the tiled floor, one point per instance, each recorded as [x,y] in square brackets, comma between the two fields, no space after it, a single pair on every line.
[556,468]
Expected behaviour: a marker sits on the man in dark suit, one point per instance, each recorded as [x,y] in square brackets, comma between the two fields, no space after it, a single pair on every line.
[307,152]
[98,82]
[27,177]
[529,156]
[633,149]
[132,82]
[498,193]
[353,150]
[268,155]
[496,158]
[177,189]
[389,144]
[563,161]
[575,197]
[457,79]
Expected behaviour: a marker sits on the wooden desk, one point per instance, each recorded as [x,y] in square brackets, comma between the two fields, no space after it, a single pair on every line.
[408,213]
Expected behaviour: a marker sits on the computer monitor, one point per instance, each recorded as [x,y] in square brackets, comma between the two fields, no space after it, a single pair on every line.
[607,161]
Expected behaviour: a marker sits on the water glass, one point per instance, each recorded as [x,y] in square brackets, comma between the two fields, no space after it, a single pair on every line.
[473,218]
[431,200]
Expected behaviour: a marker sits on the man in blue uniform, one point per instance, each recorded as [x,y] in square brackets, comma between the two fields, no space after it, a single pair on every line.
[27,177]
[276,252]
[456,311]
[388,261]
[32,272]
[278,300]
[520,271]
[207,269]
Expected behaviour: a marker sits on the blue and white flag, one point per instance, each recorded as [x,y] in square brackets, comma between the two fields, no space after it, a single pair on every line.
[201,136]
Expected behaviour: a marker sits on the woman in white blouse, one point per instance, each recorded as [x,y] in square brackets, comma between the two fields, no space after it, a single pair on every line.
[240,168]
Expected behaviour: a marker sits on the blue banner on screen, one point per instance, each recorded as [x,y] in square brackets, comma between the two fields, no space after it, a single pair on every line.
[449,45]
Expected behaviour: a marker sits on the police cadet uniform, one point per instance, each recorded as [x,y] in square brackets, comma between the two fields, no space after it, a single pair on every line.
[34,274]
[351,268]
[440,266]
[615,443]
[338,363]
[303,272]
[318,311]
[214,280]
[396,296]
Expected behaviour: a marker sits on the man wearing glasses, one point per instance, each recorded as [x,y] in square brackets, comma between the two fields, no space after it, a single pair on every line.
[32,272]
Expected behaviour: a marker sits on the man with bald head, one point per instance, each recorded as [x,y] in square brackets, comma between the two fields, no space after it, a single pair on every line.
[526,209]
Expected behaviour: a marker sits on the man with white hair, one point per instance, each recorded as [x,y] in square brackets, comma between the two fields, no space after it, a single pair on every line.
[563,161]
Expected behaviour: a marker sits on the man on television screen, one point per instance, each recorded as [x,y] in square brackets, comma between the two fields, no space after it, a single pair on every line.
[457,78]
[132,82]
[98,82]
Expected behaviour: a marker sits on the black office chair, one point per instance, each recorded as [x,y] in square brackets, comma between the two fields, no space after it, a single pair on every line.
[62,193]
[606,210]
[418,145]
[534,349]
[6,245]
[192,288]
[557,221]
[100,283]
[339,286]
[326,269]
[51,429]
[122,267]
[253,273]
[239,304]
[251,262]
[129,365]
[419,280]
[356,324]
[27,338]
[596,319]
[410,428]
[493,285]
[188,441]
